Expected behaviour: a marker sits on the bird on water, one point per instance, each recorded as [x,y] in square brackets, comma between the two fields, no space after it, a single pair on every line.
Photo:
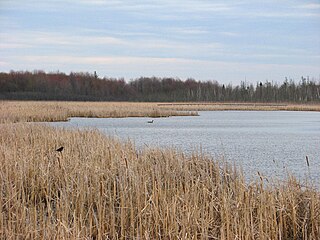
[151,121]
[59,149]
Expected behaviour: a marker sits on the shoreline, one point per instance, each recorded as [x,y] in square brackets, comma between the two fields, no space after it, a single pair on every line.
[208,106]
[52,111]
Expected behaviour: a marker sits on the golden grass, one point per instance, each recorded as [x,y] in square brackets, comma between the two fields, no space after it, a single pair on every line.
[46,111]
[99,188]
[208,106]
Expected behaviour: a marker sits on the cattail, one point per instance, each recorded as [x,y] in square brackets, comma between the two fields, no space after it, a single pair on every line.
[126,161]
[101,188]
[307,160]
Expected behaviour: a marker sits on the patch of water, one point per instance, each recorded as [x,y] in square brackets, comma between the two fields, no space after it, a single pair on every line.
[273,143]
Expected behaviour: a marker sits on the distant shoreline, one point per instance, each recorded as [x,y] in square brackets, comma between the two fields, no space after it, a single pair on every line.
[241,106]
[52,111]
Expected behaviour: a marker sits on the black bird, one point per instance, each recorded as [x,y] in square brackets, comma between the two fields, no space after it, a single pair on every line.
[59,149]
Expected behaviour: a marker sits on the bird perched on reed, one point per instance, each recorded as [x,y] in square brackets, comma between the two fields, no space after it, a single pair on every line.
[59,149]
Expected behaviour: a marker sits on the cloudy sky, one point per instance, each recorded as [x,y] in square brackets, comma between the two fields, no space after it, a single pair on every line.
[228,41]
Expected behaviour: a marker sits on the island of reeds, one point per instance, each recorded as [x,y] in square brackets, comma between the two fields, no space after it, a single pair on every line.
[51,111]
[97,187]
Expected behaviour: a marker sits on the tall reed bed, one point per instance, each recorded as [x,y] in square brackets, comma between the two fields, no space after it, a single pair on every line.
[216,106]
[45,111]
[99,188]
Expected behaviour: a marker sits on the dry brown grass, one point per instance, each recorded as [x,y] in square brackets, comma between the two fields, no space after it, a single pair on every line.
[99,188]
[45,111]
[239,106]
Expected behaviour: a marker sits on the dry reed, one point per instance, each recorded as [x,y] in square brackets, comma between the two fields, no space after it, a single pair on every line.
[104,189]
[211,106]
[45,111]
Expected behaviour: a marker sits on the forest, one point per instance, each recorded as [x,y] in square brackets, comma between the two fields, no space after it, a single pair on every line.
[79,86]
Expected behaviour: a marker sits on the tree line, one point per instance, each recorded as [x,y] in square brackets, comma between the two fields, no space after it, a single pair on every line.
[38,85]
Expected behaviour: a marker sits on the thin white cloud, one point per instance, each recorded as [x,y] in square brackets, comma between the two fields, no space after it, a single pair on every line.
[188,30]
[13,45]
[230,34]
[173,67]
[87,60]
[179,31]
[203,6]
[36,38]
[124,60]
[144,6]
[3,64]
[53,6]
[311,6]
[97,2]
[276,9]
[284,14]
[101,40]
[170,10]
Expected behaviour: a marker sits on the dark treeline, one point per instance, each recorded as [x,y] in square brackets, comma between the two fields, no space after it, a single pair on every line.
[39,85]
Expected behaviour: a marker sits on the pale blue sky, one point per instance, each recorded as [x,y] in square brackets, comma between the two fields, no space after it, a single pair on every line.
[227,41]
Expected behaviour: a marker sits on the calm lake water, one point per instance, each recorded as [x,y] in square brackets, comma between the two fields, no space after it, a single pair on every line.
[273,143]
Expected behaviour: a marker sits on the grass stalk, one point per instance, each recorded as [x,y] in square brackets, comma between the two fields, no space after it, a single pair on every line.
[108,189]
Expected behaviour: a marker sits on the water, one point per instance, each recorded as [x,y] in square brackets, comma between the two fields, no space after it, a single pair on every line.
[273,143]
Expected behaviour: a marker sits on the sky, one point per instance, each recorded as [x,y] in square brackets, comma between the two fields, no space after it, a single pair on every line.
[228,41]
